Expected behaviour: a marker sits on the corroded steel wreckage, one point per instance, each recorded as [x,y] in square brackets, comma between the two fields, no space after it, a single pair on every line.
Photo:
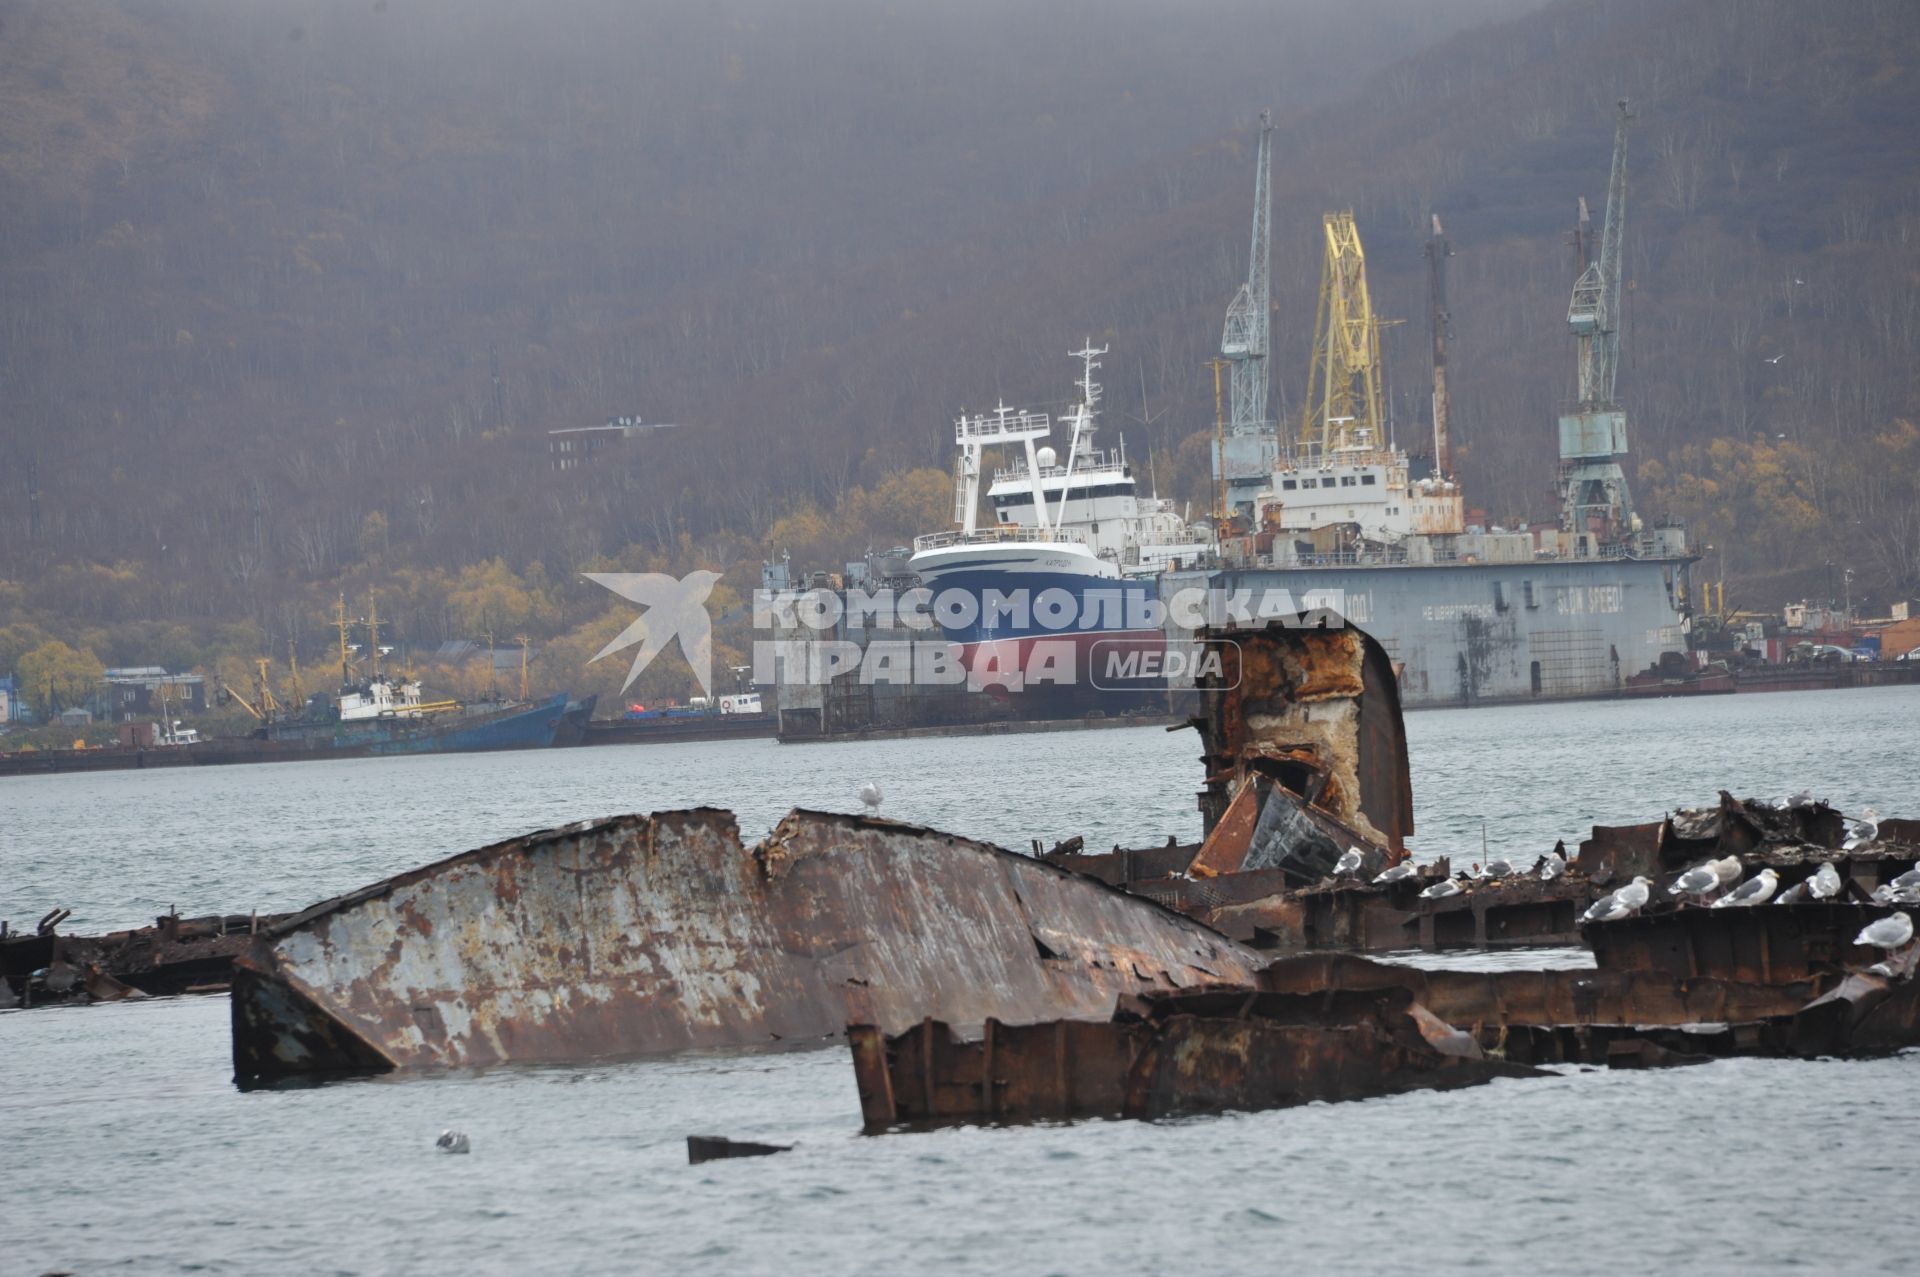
[976,984]
[661,933]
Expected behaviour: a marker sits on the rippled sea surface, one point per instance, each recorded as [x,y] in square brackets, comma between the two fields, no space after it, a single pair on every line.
[133,1152]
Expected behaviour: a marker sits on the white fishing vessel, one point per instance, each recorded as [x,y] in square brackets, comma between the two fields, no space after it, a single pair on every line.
[1076,526]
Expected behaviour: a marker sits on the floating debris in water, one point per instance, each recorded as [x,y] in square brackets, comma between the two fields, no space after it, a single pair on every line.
[713,1148]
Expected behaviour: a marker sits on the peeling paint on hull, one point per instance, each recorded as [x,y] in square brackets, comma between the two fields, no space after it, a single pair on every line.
[646,934]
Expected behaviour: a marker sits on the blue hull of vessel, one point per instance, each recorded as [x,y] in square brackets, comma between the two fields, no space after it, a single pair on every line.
[530,728]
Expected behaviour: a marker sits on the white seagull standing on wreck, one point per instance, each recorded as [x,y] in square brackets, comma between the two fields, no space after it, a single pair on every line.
[1552,865]
[1862,831]
[1825,883]
[1405,869]
[1441,890]
[1624,903]
[1890,932]
[1348,864]
[870,795]
[1697,881]
[1756,890]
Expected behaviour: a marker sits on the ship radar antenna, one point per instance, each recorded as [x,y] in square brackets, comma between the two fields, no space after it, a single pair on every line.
[1089,388]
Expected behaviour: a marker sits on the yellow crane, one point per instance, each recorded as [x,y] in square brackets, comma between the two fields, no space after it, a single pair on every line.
[263,693]
[1343,386]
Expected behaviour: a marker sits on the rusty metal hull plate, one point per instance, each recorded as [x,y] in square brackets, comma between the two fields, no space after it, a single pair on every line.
[646,934]
[1207,1053]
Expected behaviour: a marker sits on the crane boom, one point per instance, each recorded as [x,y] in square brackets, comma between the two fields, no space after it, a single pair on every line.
[1243,341]
[1343,384]
[1596,509]
[1247,443]
[1594,312]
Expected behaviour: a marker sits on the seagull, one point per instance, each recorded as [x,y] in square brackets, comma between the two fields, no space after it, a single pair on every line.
[1793,895]
[1552,865]
[1623,903]
[1402,870]
[1805,797]
[452,1141]
[1697,881]
[870,795]
[1909,879]
[1888,893]
[1782,355]
[1349,863]
[1756,890]
[1501,868]
[1727,869]
[1825,883]
[1862,831]
[1441,890]
[1889,932]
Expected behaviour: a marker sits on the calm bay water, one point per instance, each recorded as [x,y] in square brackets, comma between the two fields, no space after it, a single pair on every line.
[136,1153]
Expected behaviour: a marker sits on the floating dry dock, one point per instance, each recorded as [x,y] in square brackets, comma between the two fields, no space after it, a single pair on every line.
[661,933]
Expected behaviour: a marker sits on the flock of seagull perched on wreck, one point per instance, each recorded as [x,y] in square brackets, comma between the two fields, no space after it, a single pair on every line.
[1711,884]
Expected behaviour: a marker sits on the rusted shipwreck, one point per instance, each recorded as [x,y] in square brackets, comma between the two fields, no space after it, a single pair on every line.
[661,933]
[175,955]
[1686,987]
[1169,1055]
[1305,759]
[976,984]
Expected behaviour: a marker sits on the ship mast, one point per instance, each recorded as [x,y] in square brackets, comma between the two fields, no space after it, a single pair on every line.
[1083,428]
[340,620]
[1438,251]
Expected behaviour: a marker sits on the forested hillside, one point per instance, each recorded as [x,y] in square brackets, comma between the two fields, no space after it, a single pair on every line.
[290,293]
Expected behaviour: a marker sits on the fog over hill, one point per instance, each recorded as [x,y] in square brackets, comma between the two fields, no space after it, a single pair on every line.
[293,291]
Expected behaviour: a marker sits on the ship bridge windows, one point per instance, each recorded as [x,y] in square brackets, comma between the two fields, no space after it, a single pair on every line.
[1346,481]
[1288,484]
[1367,480]
[1024,500]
